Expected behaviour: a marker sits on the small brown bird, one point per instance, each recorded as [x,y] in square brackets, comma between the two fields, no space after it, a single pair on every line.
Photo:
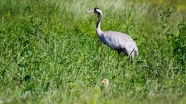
[106,85]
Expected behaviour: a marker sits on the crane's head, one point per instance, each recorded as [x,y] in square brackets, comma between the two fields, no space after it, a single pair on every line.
[96,10]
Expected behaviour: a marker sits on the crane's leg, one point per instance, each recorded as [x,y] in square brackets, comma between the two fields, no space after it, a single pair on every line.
[118,58]
[131,56]
[118,55]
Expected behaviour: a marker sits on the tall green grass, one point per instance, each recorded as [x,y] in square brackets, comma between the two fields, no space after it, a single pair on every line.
[50,53]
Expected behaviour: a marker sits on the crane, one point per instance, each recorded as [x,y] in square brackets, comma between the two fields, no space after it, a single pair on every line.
[118,41]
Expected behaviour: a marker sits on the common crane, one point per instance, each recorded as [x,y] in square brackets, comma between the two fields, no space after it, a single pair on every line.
[116,40]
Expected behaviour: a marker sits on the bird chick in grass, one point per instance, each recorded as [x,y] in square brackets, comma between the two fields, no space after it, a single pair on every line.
[106,85]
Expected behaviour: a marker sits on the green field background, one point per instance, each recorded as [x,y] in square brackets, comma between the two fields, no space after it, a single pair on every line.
[50,52]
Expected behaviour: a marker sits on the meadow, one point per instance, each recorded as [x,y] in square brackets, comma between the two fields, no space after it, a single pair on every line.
[50,52]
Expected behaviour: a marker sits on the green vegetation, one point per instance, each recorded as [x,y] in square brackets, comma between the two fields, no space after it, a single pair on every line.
[50,53]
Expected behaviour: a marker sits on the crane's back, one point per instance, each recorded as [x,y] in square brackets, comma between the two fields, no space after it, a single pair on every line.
[115,39]
[119,41]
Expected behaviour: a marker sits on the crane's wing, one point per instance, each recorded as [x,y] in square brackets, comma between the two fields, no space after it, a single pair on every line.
[119,41]
[116,40]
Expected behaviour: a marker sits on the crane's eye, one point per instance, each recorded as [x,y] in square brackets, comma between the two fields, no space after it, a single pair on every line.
[96,9]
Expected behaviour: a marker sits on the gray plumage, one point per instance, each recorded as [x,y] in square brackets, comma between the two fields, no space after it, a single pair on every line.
[116,40]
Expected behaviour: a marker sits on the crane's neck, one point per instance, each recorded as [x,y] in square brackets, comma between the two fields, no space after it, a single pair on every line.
[98,29]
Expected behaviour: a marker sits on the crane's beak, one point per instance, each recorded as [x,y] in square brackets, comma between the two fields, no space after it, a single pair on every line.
[90,11]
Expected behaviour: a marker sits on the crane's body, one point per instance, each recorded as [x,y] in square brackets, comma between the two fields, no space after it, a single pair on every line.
[116,40]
